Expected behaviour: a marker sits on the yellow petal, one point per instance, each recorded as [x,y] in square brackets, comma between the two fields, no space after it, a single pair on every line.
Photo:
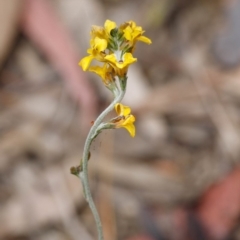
[127,60]
[139,29]
[131,129]
[144,39]
[100,44]
[97,32]
[130,119]
[111,58]
[128,33]
[126,111]
[101,71]
[90,51]
[109,26]
[128,124]
[85,62]
[118,108]
[132,24]
[122,110]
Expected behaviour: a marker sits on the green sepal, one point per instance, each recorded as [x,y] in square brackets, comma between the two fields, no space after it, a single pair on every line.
[114,32]
[120,36]
[112,45]
[127,49]
[123,82]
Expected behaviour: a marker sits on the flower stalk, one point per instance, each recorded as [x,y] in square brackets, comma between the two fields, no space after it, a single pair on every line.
[112,47]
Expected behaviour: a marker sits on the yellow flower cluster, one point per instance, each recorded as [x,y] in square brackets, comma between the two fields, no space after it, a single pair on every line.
[113,46]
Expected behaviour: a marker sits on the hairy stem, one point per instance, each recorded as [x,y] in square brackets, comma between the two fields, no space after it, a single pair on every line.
[84,173]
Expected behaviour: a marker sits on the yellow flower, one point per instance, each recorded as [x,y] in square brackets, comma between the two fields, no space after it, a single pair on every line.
[105,32]
[124,119]
[98,31]
[101,71]
[134,33]
[85,62]
[109,26]
[126,60]
[98,43]
[113,46]
[106,72]
[98,46]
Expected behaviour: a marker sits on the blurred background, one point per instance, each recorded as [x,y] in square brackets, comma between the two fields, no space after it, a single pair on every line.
[178,179]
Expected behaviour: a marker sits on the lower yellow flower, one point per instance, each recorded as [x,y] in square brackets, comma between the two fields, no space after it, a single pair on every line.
[124,118]
[126,60]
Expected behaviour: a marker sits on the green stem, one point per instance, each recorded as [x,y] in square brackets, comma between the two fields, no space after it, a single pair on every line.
[84,173]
